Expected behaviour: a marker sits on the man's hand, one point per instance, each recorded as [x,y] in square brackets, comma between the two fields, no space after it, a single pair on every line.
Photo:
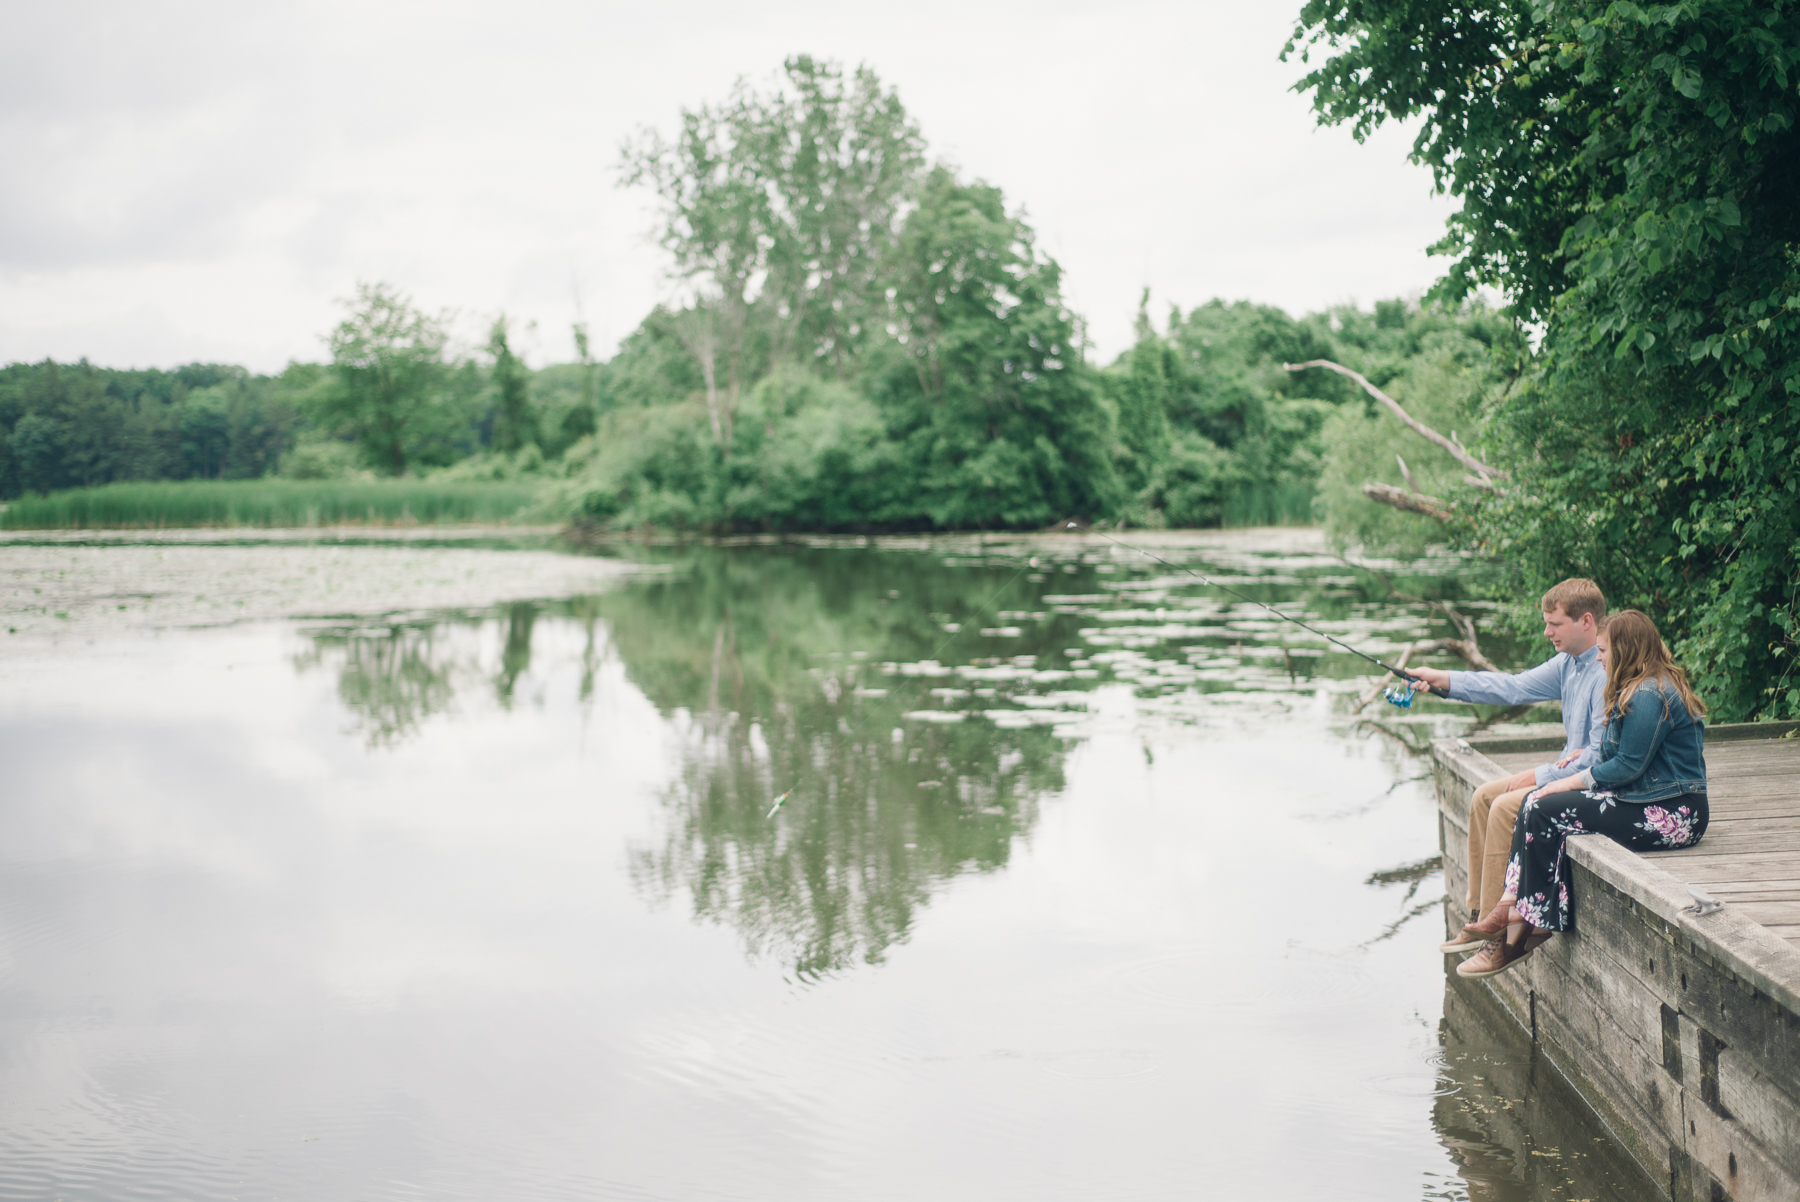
[1567,783]
[1437,678]
[1524,780]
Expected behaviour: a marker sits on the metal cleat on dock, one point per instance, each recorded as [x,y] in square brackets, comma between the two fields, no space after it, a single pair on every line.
[1704,903]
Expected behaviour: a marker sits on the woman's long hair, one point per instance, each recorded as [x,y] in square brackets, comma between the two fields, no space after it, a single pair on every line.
[1636,656]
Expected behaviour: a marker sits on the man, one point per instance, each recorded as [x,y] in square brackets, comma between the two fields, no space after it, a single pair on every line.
[1573,611]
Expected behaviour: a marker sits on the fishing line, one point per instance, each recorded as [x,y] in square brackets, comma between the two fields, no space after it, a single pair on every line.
[1030,562]
[1393,695]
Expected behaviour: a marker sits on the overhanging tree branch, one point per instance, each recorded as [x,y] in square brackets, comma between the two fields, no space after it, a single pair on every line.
[1485,473]
[1412,502]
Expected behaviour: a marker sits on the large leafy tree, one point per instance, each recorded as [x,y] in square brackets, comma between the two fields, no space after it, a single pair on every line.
[993,402]
[1627,176]
[778,209]
[515,421]
[392,383]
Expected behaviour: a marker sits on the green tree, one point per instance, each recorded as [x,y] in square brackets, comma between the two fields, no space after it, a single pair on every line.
[515,421]
[579,421]
[392,389]
[997,413]
[1627,175]
[779,208]
[843,156]
[1142,398]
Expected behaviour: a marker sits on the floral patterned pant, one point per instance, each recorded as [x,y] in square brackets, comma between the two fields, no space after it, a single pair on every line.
[1538,873]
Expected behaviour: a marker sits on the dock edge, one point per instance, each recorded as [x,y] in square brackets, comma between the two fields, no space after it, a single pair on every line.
[1681,1032]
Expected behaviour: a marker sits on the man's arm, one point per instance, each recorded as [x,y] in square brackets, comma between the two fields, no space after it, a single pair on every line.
[1542,683]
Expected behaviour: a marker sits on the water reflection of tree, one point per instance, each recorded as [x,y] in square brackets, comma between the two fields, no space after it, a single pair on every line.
[391,678]
[755,657]
[515,657]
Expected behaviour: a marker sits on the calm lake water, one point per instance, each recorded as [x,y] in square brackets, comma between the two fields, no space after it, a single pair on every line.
[1089,885]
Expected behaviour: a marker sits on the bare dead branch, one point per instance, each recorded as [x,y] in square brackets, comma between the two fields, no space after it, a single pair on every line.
[1455,448]
[1468,647]
[1470,653]
[1406,475]
[1412,502]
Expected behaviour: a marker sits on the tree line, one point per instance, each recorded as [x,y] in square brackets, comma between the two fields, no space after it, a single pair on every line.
[864,339]
[861,339]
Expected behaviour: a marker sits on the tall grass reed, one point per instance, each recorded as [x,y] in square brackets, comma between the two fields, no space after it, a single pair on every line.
[269,503]
[1269,505]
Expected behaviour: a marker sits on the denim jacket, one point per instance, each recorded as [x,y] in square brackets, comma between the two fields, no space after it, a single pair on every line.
[1647,755]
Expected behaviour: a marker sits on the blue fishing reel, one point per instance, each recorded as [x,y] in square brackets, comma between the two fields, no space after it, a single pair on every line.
[1402,695]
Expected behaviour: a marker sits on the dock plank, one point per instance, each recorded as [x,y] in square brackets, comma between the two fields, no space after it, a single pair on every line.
[1772,914]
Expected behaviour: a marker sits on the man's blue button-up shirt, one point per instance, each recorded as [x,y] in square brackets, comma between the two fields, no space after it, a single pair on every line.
[1578,681]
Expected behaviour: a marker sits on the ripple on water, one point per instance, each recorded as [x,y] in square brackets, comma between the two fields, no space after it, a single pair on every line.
[1412,1085]
[1098,1064]
[1302,981]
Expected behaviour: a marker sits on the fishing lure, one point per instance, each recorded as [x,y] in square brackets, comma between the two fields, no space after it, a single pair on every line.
[778,802]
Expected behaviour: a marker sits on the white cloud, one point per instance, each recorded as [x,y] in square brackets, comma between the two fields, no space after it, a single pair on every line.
[202,181]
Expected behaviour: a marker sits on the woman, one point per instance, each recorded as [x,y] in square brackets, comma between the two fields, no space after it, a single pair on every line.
[1648,791]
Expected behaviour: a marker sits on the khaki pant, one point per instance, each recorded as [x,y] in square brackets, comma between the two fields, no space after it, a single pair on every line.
[1492,812]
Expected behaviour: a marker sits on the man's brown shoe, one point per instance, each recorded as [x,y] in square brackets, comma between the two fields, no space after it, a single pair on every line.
[1499,955]
[1474,934]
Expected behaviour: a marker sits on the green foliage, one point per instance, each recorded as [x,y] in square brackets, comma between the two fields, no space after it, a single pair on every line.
[1142,400]
[68,425]
[780,205]
[968,406]
[983,385]
[1627,175]
[649,465]
[1213,428]
[1444,385]
[811,454]
[268,502]
[515,423]
[322,458]
[394,393]
[564,398]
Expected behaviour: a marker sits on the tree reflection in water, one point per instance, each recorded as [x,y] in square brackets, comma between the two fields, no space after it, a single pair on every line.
[768,665]
[763,662]
[390,678]
[515,658]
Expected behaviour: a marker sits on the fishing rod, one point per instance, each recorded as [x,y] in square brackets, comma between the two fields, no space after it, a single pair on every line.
[1401,698]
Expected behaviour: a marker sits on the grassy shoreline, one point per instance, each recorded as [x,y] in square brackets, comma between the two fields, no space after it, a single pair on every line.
[268,503]
[275,503]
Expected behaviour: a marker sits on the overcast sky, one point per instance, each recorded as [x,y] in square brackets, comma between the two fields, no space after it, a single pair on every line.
[205,181]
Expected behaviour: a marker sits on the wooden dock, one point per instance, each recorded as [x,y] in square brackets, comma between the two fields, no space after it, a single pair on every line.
[1681,1030]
